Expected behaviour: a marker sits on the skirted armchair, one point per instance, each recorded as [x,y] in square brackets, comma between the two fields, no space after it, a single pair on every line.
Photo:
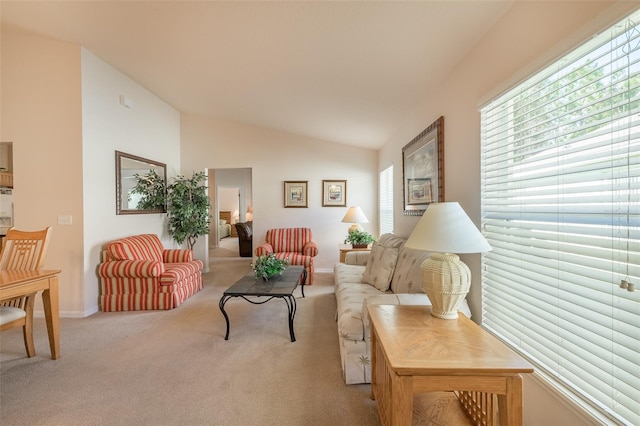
[294,244]
[137,273]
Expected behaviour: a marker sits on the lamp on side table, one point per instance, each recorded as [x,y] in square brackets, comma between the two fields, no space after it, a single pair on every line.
[445,229]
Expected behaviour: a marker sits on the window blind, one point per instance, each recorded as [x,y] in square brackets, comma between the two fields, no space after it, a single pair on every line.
[561,208]
[385,212]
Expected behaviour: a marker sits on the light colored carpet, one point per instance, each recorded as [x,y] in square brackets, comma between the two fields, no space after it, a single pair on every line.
[228,248]
[175,368]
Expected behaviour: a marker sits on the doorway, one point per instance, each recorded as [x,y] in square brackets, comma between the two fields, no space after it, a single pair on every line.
[230,191]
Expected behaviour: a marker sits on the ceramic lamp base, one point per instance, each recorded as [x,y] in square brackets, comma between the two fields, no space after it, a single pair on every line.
[355,227]
[446,280]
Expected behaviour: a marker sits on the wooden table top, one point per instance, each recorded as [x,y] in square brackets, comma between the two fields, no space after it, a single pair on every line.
[16,277]
[417,343]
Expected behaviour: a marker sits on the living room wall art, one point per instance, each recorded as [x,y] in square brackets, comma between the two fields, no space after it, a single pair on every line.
[423,169]
[295,193]
[334,193]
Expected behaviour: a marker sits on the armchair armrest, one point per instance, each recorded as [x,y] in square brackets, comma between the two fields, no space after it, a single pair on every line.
[177,255]
[131,269]
[264,249]
[310,249]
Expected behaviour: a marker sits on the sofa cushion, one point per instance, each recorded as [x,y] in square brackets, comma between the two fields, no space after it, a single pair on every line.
[350,323]
[137,247]
[407,277]
[178,272]
[391,240]
[380,266]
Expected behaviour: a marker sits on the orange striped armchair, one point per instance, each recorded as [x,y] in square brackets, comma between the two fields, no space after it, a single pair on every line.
[294,244]
[138,274]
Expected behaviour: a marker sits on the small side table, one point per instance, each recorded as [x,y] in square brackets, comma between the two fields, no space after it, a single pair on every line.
[346,248]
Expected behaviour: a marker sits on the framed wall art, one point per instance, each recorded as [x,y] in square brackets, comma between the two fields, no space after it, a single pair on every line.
[295,193]
[334,193]
[423,169]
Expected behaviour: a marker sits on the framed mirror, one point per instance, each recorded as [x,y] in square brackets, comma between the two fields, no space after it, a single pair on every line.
[140,185]
[423,169]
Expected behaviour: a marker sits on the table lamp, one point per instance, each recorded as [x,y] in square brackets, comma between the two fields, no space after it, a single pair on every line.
[249,215]
[356,216]
[444,229]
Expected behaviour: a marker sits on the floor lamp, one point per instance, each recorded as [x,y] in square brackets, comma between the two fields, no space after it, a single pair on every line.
[445,229]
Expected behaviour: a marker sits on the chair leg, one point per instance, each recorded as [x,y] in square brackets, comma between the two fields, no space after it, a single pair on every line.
[27,329]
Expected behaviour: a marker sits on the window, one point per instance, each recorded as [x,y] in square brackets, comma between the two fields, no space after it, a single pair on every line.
[386,201]
[561,209]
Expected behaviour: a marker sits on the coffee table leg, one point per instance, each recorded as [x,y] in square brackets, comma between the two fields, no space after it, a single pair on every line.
[291,306]
[303,281]
[223,300]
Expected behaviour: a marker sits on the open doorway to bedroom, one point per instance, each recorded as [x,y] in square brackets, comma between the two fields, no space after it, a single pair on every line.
[230,191]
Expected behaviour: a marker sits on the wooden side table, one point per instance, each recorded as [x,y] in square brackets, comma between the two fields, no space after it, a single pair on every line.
[414,353]
[346,248]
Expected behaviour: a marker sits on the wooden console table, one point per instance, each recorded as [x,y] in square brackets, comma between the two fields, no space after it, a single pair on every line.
[414,353]
[20,283]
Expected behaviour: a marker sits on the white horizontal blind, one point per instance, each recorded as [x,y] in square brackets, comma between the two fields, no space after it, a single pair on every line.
[561,209]
[385,212]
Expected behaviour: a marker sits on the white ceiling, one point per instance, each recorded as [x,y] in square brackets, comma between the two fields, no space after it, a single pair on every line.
[342,71]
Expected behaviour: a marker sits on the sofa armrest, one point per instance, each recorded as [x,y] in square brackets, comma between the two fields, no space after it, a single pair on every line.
[264,249]
[310,249]
[177,255]
[357,257]
[131,269]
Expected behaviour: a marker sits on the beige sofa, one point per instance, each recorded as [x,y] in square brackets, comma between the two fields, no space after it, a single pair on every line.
[389,274]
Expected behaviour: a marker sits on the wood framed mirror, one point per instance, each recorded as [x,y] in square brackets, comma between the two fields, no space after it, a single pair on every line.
[129,170]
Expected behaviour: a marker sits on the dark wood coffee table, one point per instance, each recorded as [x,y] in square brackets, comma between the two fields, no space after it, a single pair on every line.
[281,287]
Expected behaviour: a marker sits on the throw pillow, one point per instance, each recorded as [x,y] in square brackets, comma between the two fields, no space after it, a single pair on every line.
[380,267]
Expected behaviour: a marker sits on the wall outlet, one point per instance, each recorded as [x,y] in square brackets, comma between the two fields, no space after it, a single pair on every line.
[65,219]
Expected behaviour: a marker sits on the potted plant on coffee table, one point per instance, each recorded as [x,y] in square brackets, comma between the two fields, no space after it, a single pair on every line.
[268,266]
[359,239]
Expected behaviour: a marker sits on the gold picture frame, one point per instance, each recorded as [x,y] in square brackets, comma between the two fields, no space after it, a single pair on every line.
[334,193]
[295,193]
[423,169]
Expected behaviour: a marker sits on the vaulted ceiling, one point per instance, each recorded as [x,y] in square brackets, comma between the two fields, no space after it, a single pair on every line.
[343,71]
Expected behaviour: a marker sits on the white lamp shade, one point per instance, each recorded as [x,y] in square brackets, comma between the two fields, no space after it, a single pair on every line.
[355,215]
[446,228]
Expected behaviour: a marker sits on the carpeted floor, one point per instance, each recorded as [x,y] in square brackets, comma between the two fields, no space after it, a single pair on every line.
[175,368]
[227,248]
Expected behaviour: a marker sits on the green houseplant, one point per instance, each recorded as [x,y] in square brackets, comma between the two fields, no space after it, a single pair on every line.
[267,266]
[152,191]
[188,208]
[359,239]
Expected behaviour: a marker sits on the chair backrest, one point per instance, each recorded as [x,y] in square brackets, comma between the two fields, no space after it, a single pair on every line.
[245,232]
[24,250]
[290,240]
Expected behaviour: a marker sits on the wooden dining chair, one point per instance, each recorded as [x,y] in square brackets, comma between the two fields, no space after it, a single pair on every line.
[22,251]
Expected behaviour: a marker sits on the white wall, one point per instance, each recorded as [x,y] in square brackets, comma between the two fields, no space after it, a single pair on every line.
[529,35]
[275,157]
[150,128]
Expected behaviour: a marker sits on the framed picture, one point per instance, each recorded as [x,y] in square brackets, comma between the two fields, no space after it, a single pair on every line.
[334,193]
[295,193]
[419,191]
[423,169]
